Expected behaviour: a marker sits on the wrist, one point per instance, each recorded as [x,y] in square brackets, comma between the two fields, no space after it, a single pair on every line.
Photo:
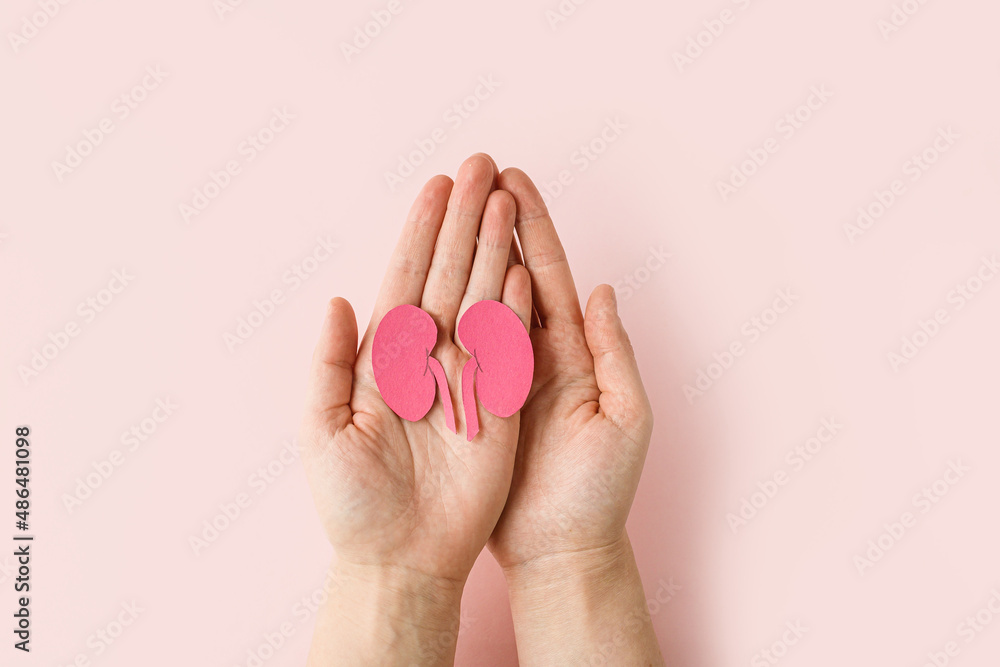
[400,592]
[387,615]
[589,573]
[574,607]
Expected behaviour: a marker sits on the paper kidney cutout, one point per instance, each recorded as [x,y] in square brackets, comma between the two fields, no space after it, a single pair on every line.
[404,369]
[499,372]
[502,362]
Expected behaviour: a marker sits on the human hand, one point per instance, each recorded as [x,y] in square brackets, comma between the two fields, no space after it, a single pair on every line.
[585,429]
[406,502]
[586,425]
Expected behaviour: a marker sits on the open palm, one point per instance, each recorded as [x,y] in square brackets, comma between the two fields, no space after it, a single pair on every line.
[586,425]
[415,494]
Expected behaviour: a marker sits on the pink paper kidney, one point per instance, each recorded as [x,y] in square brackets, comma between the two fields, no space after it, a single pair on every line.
[404,369]
[502,362]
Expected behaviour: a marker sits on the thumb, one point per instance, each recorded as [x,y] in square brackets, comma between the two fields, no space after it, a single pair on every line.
[623,398]
[331,378]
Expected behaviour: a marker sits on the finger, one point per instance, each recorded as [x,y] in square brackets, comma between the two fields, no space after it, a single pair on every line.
[331,377]
[456,243]
[515,258]
[489,268]
[517,293]
[555,295]
[623,398]
[407,273]
[496,172]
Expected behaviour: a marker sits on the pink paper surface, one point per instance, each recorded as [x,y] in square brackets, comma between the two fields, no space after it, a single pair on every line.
[628,150]
[502,361]
[401,349]
[406,373]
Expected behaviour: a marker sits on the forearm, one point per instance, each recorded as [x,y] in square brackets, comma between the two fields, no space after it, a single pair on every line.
[571,608]
[386,616]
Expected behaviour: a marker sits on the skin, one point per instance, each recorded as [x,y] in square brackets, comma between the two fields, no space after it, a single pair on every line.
[408,506]
[574,587]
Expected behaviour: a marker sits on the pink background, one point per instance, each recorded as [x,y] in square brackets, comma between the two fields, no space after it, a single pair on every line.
[655,186]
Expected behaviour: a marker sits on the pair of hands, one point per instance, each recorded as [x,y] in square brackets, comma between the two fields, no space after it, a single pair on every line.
[408,506]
